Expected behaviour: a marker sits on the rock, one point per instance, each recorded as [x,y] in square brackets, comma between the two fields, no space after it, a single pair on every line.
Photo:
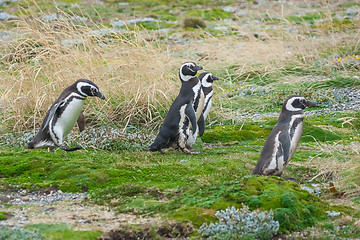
[229,9]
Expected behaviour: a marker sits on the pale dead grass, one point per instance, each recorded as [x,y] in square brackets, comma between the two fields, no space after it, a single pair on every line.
[337,163]
[139,77]
[136,77]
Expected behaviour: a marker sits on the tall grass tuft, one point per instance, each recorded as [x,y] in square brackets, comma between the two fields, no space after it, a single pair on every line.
[137,77]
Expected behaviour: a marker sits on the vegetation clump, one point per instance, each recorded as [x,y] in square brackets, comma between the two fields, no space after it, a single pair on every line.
[193,22]
[241,223]
[18,234]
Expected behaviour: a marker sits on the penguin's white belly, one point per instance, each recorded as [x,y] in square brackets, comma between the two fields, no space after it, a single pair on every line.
[67,120]
[186,136]
[182,137]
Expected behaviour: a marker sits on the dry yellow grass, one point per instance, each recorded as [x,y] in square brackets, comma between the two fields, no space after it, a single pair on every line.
[137,76]
[137,73]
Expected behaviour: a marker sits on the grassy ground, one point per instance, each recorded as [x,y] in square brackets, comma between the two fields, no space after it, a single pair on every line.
[261,50]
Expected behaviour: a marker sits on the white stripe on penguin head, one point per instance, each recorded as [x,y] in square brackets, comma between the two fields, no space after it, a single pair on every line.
[204,81]
[289,105]
[186,77]
[79,85]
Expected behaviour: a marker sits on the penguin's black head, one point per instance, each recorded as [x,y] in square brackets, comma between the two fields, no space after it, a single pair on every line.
[207,79]
[296,103]
[188,70]
[88,88]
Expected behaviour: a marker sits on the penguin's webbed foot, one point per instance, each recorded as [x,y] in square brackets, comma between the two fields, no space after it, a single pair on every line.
[51,149]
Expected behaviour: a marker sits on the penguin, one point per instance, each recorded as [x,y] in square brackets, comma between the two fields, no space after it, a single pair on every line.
[181,115]
[206,80]
[283,140]
[202,103]
[63,114]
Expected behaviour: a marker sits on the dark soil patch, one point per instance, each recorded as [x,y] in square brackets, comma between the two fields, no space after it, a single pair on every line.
[168,230]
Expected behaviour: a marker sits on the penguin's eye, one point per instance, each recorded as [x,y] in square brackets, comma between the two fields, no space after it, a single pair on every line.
[302,101]
[93,90]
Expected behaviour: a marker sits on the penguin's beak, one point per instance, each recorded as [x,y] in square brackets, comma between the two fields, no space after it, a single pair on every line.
[215,78]
[310,104]
[100,95]
[198,67]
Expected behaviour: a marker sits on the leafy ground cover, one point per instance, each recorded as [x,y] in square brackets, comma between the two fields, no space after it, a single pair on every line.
[262,51]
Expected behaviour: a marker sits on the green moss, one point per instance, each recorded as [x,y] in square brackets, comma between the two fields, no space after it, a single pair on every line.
[196,215]
[244,132]
[62,231]
[76,178]
[312,132]
[121,145]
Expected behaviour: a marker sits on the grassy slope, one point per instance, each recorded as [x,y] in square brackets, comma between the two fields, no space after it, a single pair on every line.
[260,63]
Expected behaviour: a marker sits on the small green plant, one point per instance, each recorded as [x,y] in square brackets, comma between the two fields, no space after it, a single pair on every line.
[2,216]
[241,224]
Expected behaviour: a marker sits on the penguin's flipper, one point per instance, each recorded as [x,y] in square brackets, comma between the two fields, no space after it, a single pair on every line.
[190,113]
[201,125]
[65,148]
[285,141]
[81,121]
[51,114]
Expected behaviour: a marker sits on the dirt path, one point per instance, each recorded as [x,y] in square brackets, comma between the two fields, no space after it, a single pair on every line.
[76,212]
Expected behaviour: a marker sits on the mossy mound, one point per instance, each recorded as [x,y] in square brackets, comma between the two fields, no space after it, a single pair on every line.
[294,208]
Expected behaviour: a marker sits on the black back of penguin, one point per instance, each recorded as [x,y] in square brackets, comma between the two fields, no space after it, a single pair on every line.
[282,142]
[81,89]
[169,131]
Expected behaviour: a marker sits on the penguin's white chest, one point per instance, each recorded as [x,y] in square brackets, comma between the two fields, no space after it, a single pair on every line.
[67,120]
[207,104]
